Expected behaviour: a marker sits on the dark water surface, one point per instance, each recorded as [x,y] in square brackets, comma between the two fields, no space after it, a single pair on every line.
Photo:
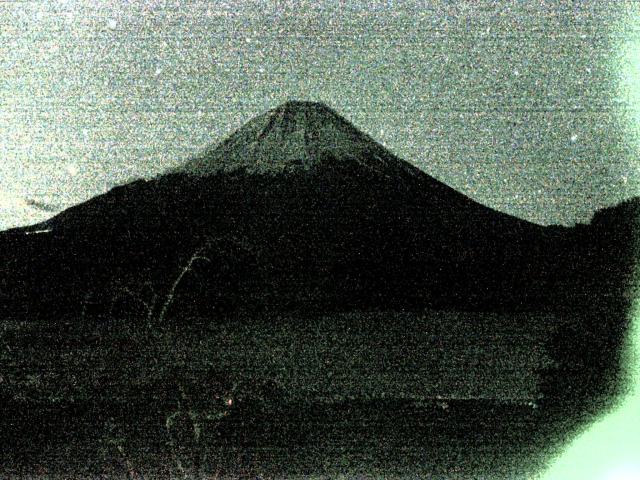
[442,395]
[390,439]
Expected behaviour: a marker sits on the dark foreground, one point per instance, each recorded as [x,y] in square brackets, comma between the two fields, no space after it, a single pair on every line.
[384,439]
[119,400]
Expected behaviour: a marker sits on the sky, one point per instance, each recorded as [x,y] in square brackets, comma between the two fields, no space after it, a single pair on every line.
[527,107]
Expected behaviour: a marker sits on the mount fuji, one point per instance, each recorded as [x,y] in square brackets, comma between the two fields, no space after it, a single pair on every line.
[319,213]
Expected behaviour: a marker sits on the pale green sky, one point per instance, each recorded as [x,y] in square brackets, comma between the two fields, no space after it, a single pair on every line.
[521,106]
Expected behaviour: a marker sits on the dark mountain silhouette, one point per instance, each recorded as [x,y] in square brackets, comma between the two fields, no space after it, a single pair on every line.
[299,209]
[322,214]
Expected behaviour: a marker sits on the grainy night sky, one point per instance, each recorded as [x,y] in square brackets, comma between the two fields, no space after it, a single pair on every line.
[528,107]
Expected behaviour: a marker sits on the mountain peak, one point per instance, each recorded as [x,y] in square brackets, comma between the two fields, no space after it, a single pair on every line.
[295,136]
[306,112]
[304,105]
